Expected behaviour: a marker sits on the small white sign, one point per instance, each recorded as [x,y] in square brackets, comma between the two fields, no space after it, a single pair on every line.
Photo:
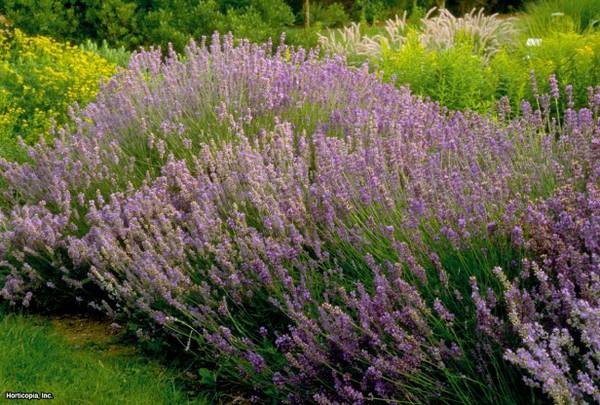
[534,42]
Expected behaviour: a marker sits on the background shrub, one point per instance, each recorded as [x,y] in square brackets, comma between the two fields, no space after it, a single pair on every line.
[55,18]
[456,77]
[175,21]
[114,21]
[131,23]
[305,37]
[41,79]
[328,15]
[257,22]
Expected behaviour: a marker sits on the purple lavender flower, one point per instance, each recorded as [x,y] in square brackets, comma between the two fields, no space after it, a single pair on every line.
[554,90]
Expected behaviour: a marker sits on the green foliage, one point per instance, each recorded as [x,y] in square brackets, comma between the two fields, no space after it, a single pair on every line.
[461,79]
[378,10]
[34,357]
[247,24]
[573,58]
[44,17]
[304,37]
[275,13]
[491,6]
[257,22]
[131,23]
[117,56]
[114,21]
[546,16]
[39,80]
[329,16]
[178,20]
[455,77]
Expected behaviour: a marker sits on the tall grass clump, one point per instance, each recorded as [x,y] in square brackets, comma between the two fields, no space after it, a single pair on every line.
[545,16]
[437,30]
[358,46]
[298,223]
[487,33]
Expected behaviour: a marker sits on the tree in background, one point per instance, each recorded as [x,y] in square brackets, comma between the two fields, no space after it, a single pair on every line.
[306,13]
[132,23]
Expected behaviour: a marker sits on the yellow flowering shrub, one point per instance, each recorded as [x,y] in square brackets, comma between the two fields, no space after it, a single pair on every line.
[40,79]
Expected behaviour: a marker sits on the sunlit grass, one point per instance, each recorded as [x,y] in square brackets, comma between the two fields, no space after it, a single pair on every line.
[35,356]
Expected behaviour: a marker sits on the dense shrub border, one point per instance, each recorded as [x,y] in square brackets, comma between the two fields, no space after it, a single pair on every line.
[131,23]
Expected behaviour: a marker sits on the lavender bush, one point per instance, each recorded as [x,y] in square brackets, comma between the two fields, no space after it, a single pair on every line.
[298,223]
[553,305]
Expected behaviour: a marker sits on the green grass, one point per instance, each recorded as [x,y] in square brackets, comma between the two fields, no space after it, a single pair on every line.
[80,364]
[544,16]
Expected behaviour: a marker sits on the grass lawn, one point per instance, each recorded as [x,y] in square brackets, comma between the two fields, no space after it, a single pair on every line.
[79,363]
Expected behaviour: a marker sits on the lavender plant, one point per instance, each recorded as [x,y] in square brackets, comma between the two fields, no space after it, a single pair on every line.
[553,304]
[298,223]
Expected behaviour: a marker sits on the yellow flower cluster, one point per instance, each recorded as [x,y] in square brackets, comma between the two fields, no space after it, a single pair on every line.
[39,80]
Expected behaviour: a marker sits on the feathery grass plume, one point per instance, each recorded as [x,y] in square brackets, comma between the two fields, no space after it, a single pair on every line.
[436,32]
[487,33]
[350,42]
